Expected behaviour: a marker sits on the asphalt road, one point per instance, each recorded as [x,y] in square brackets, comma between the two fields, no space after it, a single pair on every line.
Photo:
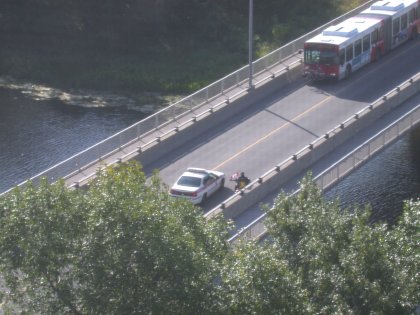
[272,130]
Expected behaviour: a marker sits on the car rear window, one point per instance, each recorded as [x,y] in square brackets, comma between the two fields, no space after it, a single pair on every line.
[189,181]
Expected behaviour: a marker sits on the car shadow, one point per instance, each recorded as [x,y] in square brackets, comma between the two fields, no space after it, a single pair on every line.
[217,198]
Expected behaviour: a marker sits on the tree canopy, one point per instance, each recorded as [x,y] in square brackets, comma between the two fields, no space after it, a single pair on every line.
[124,246]
[163,46]
[347,264]
[118,24]
[120,247]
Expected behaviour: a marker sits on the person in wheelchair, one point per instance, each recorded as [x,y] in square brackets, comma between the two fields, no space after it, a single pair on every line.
[242,181]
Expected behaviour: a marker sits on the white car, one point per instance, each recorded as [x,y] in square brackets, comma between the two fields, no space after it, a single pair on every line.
[196,184]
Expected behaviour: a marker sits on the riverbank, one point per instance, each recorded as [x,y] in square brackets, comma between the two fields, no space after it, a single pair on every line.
[125,48]
[144,102]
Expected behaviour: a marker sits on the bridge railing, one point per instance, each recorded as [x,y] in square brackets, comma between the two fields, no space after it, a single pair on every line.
[256,229]
[189,105]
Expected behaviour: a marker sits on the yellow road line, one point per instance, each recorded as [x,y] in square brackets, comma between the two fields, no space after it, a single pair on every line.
[271,133]
[301,114]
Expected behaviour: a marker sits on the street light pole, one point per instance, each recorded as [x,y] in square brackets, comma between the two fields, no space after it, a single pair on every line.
[250,41]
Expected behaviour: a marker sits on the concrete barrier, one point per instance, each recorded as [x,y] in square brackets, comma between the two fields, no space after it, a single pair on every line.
[282,173]
[257,231]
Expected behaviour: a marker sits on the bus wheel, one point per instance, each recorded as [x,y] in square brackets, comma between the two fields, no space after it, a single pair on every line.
[414,33]
[378,54]
[348,72]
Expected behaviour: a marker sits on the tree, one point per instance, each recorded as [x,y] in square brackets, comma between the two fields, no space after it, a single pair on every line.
[258,280]
[122,246]
[347,264]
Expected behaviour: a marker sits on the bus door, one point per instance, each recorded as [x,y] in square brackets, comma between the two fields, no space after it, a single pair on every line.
[357,58]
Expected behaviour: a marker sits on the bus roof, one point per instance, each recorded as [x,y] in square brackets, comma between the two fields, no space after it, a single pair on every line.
[389,7]
[339,34]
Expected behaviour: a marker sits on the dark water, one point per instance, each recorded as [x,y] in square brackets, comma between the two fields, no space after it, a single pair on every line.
[35,135]
[385,181]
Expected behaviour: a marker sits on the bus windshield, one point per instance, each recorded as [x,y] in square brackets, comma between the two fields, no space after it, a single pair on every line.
[316,56]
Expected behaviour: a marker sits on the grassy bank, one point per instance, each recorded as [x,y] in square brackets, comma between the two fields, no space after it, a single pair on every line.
[164,71]
[74,47]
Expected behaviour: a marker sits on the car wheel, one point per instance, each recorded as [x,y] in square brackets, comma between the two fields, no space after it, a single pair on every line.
[203,199]
[222,184]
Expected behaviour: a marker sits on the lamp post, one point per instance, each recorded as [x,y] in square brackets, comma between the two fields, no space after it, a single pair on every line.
[250,42]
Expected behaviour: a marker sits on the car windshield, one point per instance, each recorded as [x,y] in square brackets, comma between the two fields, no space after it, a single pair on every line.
[189,181]
[321,56]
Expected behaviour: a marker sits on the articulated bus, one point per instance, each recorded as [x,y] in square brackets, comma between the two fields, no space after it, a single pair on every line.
[359,40]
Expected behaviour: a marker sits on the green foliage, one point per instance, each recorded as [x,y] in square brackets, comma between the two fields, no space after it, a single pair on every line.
[161,46]
[121,247]
[38,244]
[346,264]
[258,280]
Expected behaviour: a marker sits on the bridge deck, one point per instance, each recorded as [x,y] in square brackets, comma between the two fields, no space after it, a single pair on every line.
[131,150]
[254,211]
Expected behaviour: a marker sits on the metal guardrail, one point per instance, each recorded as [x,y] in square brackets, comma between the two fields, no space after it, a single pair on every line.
[187,106]
[256,229]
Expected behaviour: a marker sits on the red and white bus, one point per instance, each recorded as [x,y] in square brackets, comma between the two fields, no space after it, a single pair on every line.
[348,46]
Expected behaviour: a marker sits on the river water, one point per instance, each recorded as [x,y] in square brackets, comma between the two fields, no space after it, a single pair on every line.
[36,134]
[40,127]
[385,181]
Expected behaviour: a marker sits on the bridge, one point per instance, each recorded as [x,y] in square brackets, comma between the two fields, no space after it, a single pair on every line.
[337,164]
[273,131]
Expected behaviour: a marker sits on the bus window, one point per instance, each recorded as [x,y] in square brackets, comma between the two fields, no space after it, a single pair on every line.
[395,26]
[366,43]
[374,36]
[404,21]
[342,56]
[357,47]
[349,52]
[328,57]
[312,56]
